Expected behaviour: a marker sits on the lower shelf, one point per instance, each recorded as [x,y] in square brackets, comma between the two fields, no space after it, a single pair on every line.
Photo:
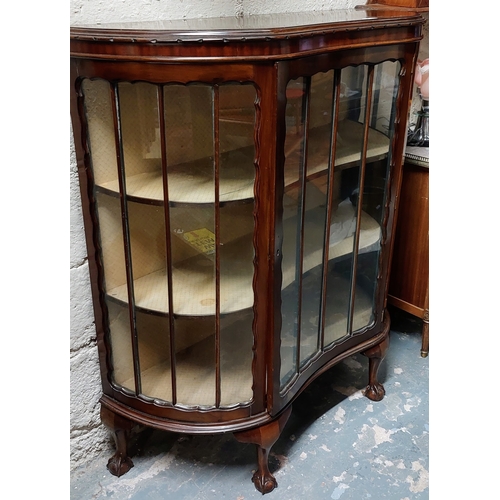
[195,375]
[194,286]
[195,372]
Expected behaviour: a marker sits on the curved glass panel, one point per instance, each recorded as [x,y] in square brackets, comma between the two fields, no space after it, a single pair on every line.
[337,155]
[174,181]
[380,116]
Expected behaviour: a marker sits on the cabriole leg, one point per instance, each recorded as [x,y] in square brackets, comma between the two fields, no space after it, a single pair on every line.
[264,437]
[375,390]
[120,462]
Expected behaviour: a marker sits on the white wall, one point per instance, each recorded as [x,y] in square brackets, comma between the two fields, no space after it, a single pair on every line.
[91,11]
[88,437]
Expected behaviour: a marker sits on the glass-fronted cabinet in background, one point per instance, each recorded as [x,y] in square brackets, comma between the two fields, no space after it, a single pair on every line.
[239,182]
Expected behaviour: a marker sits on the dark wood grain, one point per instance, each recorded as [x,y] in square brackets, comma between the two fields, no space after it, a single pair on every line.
[120,463]
[418,5]
[375,390]
[409,278]
[410,263]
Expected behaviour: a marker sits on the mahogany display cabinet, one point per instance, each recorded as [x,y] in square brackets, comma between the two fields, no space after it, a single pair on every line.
[239,179]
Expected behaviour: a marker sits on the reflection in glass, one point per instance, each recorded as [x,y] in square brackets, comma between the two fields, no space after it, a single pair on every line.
[381,120]
[315,211]
[122,357]
[292,209]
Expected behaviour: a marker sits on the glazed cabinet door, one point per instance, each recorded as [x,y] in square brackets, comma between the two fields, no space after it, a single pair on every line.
[339,126]
[172,168]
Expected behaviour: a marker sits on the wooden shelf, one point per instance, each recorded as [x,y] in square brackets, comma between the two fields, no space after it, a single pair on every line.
[193,182]
[313,255]
[349,140]
[194,366]
[195,363]
[194,282]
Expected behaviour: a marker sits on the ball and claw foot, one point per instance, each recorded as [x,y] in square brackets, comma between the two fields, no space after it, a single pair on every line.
[119,464]
[375,392]
[264,482]
[264,437]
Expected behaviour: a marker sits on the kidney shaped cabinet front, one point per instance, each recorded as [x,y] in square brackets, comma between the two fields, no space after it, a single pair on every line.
[239,180]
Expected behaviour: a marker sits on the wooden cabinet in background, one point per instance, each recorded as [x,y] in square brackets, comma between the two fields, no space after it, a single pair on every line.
[418,5]
[409,280]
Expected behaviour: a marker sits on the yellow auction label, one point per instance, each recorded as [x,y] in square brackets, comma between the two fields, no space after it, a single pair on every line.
[202,240]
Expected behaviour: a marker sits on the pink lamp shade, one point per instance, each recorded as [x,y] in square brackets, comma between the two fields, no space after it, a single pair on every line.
[422,78]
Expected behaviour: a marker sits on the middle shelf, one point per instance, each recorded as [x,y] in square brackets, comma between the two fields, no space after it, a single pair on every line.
[193,279]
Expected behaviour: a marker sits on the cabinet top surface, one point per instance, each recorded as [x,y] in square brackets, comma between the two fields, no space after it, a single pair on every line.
[268,26]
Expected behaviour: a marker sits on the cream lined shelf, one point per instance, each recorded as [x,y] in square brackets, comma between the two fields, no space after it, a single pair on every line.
[194,279]
[193,282]
[193,360]
[195,368]
[193,182]
[348,150]
[369,236]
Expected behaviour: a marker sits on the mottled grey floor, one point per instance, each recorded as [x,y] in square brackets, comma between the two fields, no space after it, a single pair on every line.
[336,445]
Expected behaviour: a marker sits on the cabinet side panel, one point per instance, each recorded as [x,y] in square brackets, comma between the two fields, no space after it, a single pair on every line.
[410,263]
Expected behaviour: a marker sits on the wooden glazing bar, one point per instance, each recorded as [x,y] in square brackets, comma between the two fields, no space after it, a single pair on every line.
[216,108]
[361,185]
[376,96]
[115,103]
[393,121]
[261,330]
[329,209]
[168,240]
[274,340]
[306,99]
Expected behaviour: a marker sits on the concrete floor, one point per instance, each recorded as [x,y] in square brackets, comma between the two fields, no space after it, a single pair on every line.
[337,444]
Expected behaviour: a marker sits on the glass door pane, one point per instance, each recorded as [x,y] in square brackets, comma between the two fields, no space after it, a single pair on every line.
[296,106]
[337,156]
[174,180]
[380,104]
[99,111]
[305,203]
